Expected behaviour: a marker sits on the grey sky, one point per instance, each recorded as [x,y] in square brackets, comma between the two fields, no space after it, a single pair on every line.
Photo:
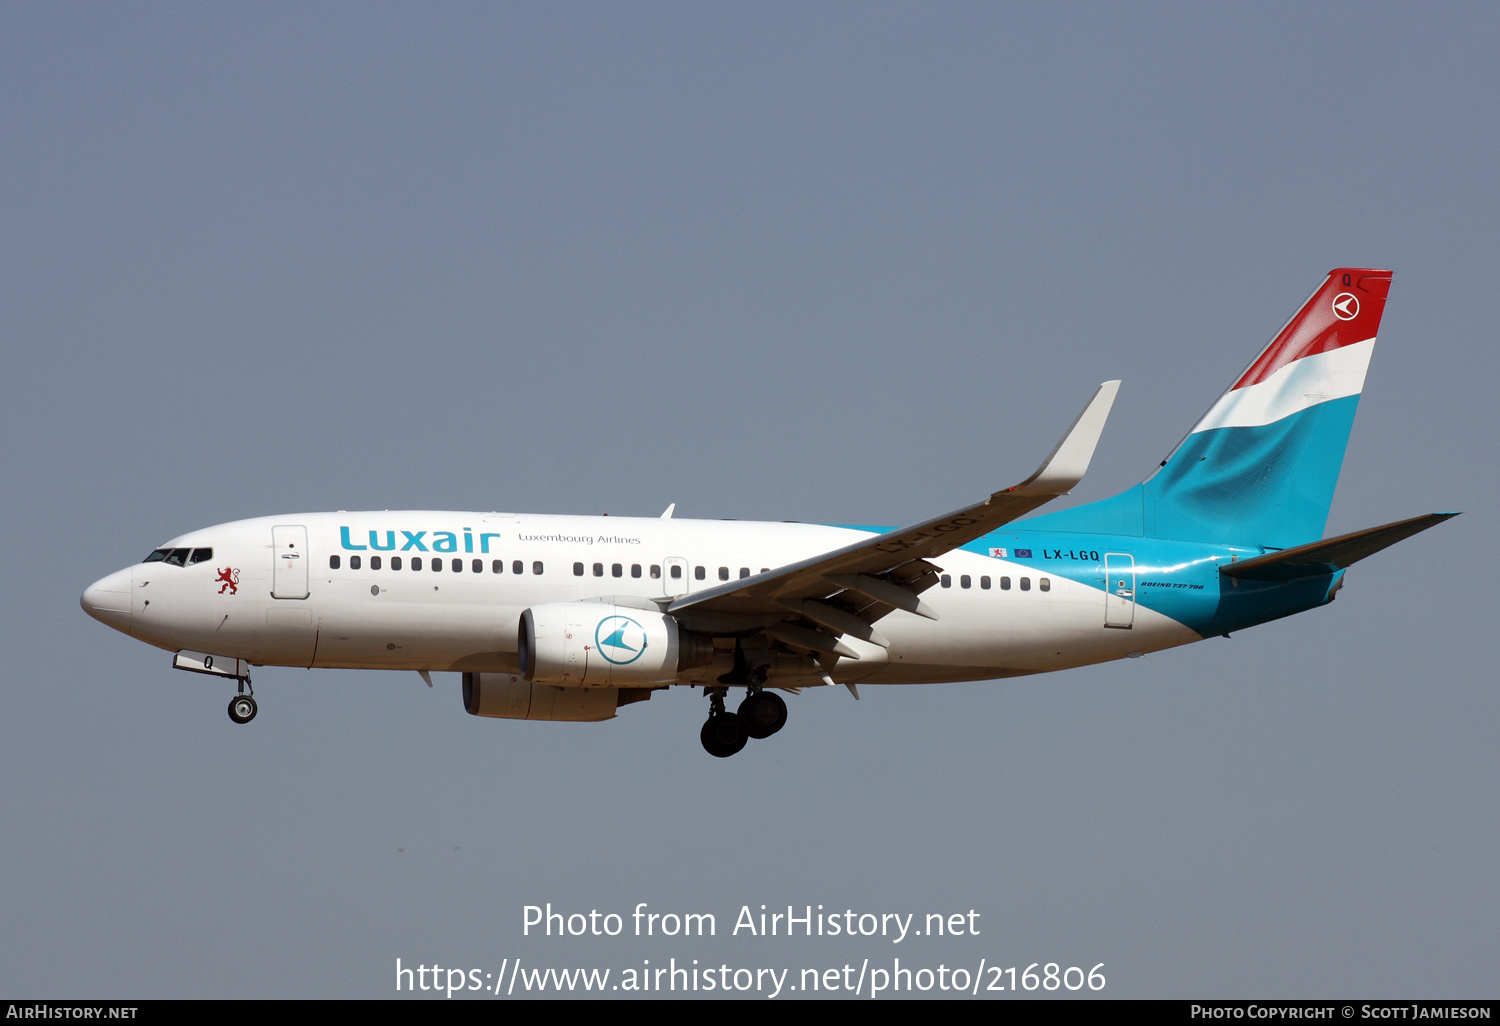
[840,263]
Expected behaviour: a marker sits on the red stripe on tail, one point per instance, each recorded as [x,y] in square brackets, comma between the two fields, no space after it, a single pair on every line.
[1345,310]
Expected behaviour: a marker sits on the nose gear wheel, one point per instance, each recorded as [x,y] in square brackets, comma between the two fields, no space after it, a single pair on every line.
[242,708]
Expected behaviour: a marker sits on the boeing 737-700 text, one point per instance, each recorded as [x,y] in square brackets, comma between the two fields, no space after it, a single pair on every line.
[572,617]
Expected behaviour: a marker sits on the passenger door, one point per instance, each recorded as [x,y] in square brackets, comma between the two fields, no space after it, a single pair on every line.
[289,572]
[1119,590]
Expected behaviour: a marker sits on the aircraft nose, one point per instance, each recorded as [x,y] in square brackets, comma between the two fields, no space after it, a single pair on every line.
[108,600]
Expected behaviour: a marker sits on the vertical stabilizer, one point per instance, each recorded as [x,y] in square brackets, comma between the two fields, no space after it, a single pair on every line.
[1261,465]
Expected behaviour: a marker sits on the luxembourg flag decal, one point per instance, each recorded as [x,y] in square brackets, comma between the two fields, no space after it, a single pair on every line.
[1261,466]
[1321,354]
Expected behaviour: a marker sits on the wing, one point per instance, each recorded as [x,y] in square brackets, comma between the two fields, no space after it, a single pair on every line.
[845,591]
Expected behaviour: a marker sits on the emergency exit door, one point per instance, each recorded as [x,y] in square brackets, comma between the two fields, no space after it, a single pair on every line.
[1119,590]
[674,575]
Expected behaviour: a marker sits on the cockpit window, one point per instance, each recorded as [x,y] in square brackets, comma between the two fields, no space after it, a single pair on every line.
[157,556]
[178,557]
[199,555]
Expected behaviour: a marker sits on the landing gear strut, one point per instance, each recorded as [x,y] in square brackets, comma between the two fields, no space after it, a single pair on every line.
[722,734]
[242,708]
[760,715]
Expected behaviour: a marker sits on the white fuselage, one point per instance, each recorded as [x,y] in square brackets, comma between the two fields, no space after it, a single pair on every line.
[271,594]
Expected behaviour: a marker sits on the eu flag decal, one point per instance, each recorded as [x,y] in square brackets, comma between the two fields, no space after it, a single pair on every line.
[1023,553]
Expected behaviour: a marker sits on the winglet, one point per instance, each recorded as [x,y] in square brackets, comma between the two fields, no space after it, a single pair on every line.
[1069,461]
[667,513]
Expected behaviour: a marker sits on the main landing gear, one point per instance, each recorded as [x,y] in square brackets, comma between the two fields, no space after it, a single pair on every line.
[242,708]
[760,715]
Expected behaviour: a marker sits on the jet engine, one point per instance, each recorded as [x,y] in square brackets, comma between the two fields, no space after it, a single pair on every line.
[506,696]
[600,645]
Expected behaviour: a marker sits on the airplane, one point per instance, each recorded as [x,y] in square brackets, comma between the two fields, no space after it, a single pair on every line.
[573,617]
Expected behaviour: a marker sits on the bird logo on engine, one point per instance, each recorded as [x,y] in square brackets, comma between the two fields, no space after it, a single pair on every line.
[620,639]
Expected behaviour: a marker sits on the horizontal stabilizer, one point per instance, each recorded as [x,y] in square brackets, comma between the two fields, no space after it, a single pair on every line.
[1331,554]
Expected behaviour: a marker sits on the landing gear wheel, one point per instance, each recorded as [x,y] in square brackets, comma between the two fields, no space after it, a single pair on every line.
[722,735]
[242,708]
[762,713]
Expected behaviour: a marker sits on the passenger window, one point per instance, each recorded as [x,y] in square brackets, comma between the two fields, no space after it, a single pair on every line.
[676,572]
[374,562]
[395,562]
[353,562]
[616,570]
[635,569]
[765,569]
[157,556]
[723,573]
[437,564]
[984,584]
[1005,584]
[744,572]
[1026,584]
[477,566]
[656,571]
[598,569]
[517,567]
[178,557]
[333,562]
[1045,583]
[965,581]
[498,567]
[416,562]
[536,567]
[577,569]
[699,572]
[946,581]
[199,555]
[458,566]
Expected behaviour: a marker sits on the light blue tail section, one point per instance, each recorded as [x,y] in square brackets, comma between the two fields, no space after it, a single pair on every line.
[1260,468]
[1269,486]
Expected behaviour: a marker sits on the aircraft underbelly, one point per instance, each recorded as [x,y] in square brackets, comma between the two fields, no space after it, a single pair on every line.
[1053,636]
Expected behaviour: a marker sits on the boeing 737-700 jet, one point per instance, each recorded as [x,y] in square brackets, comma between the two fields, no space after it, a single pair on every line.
[572,617]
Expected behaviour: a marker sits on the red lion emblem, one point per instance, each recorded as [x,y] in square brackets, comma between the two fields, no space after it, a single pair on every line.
[231,580]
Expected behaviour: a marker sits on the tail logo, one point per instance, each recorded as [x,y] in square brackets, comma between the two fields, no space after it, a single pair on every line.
[1345,306]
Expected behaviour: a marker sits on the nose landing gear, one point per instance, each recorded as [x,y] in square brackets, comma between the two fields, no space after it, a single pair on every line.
[242,707]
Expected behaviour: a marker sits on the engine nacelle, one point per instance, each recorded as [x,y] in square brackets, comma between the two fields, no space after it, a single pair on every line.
[599,645]
[506,696]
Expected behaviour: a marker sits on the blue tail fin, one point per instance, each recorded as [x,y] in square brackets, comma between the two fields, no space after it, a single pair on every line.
[1260,468]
